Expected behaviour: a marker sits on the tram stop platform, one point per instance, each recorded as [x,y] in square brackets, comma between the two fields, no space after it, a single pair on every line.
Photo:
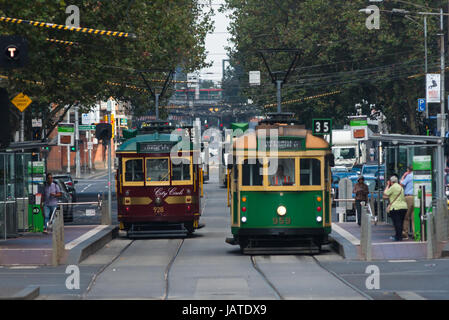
[36,248]
[345,238]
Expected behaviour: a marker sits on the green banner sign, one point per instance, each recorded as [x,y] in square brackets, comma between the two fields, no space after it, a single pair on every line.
[358,123]
[66,129]
[87,127]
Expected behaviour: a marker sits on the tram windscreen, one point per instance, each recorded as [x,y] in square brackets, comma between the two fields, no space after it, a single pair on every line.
[285,173]
[134,170]
[181,171]
[251,173]
[157,170]
[310,172]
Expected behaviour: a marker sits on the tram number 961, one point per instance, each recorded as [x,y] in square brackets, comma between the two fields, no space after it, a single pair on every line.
[282,220]
[158,210]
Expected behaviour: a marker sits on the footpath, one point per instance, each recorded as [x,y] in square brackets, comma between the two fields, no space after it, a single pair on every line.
[346,236]
[31,250]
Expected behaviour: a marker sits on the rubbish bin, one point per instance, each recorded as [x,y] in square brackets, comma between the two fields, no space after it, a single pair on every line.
[35,218]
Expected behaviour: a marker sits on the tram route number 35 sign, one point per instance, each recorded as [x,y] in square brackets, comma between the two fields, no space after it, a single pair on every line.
[322,126]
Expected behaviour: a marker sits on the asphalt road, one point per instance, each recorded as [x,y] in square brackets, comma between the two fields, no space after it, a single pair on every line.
[205,267]
[87,190]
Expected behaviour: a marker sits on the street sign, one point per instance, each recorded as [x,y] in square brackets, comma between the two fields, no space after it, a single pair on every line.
[21,101]
[66,134]
[359,127]
[421,105]
[86,127]
[90,145]
[13,51]
[322,126]
[36,123]
[254,78]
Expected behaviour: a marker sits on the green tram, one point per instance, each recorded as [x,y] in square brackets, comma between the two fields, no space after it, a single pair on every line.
[280,200]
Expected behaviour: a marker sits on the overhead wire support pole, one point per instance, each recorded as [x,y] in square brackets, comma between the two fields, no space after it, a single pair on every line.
[275,76]
[155,95]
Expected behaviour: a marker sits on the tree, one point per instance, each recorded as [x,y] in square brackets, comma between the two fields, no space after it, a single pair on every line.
[339,55]
[97,67]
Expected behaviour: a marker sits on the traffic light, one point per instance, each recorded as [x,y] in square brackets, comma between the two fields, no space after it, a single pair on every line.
[73,149]
[103,131]
[13,52]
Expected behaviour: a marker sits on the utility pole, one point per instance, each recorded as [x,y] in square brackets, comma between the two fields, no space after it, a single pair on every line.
[77,138]
[68,147]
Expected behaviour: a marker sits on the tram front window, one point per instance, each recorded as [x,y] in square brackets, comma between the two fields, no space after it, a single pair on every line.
[310,171]
[285,173]
[157,170]
[134,170]
[251,173]
[181,171]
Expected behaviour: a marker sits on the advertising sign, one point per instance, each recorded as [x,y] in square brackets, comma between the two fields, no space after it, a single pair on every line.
[422,177]
[433,88]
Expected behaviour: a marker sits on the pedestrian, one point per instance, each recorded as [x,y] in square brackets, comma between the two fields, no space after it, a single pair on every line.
[407,184]
[361,192]
[397,207]
[51,194]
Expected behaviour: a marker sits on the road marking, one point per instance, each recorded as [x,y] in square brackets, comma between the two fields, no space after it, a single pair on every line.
[345,234]
[410,295]
[87,235]
[86,187]
[398,261]
[24,267]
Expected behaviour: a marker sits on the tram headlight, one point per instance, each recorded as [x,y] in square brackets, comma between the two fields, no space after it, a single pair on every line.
[281,210]
[158,201]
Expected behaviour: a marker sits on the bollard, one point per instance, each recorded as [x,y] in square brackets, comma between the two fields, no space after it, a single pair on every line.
[58,237]
[430,235]
[105,217]
[365,236]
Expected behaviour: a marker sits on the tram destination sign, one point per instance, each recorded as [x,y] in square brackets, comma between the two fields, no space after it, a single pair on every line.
[150,147]
[282,144]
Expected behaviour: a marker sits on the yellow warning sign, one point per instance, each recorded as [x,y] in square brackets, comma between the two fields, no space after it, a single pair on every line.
[21,101]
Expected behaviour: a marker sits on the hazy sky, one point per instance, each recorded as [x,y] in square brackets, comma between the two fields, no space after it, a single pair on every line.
[216,43]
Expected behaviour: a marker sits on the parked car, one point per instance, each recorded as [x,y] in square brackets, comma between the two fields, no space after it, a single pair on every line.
[65,198]
[373,188]
[69,183]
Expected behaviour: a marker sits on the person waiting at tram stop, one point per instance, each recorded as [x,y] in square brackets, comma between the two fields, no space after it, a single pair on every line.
[280,179]
[397,207]
[361,192]
[51,194]
[407,184]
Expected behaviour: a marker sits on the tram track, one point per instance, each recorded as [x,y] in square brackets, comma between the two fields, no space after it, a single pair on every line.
[103,268]
[270,284]
[168,268]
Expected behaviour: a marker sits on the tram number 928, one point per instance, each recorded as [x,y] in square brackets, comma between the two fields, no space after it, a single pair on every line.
[158,210]
[282,220]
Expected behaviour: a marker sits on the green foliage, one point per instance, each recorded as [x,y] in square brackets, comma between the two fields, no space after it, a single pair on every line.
[169,34]
[338,53]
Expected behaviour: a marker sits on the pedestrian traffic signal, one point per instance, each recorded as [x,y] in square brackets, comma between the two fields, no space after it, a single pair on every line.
[72,149]
[13,52]
[103,131]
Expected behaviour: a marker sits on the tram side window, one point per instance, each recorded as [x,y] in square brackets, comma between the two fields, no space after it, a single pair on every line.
[181,171]
[285,173]
[134,170]
[310,172]
[157,170]
[251,173]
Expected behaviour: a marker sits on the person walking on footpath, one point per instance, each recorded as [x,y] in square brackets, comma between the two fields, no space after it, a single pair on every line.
[407,184]
[361,194]
[51,194]
[397,207]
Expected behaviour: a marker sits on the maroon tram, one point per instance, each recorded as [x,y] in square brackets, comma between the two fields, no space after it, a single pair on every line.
[158,194]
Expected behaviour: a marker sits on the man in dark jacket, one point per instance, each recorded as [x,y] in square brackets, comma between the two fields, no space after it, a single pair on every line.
[361,194]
